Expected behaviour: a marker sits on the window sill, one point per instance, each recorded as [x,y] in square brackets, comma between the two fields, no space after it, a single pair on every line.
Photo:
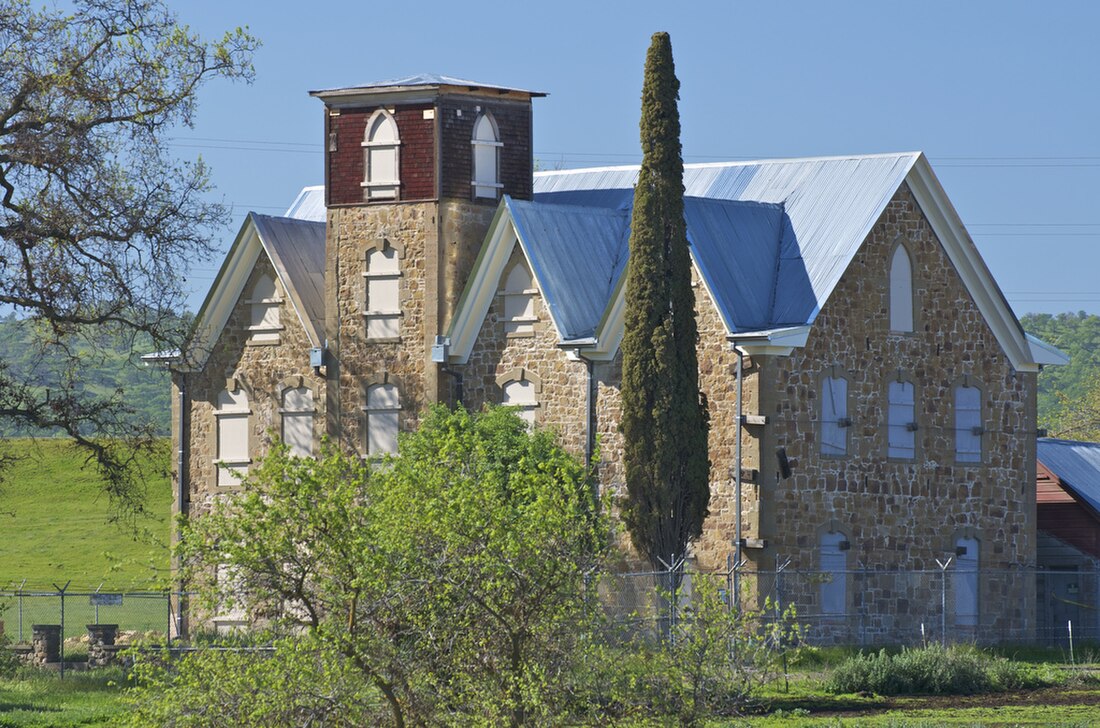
[519,335]
[383,340]
[263,342]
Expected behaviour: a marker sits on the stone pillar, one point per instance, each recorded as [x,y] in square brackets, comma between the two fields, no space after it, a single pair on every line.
[100,637]
[45,644]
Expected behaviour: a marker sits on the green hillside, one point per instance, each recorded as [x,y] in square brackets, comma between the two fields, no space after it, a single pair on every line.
[55,524]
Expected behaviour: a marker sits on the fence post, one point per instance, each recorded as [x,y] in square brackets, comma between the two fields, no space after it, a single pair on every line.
[61,590]
[21,585]
[943,599]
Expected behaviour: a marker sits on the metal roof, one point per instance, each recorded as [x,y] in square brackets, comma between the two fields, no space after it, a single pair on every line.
[578,255]
[825,207]
[297,250]
[1077,465]
[309,205]
[427,80]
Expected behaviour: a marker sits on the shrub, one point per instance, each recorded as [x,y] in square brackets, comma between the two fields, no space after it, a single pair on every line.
[933,670]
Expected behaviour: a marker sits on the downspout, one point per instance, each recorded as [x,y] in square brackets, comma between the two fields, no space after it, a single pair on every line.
[590,413]
[736,597]
[181,493]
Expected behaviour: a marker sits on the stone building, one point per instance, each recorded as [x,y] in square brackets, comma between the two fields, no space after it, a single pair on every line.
[854,350]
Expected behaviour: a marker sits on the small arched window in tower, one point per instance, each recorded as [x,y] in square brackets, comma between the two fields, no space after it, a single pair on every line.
[966,582]
[519,301]
[521,394]
[231,420]
[381,145]
[382,308]
[968,424]
[487,145]
[382,408]
[833,560]
[264,301]
[901,290]
[297,414]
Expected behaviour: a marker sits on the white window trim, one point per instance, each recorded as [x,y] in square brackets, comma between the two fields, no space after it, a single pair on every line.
[496,144]
[390,184]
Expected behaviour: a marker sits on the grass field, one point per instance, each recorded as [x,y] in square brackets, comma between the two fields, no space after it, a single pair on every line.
[54,525]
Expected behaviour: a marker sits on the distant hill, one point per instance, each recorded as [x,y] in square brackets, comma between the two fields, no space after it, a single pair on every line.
[1078,335]
[117,365]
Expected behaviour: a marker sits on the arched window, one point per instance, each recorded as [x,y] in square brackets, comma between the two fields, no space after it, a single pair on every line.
[264,302]
[902,425]
[834,416]
[297,412]
[901,290]
[382,408]
[966,582]
[231,419]
[486,144]
[968,424]
[381,147]
[521,394]
[834,573]
[382,308]
[519,301]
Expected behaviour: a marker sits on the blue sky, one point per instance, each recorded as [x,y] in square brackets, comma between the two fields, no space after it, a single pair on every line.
[1002,97]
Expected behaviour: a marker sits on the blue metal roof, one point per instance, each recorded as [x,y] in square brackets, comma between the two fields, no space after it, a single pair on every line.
[578,254]
[309,205]
[297,250]
[1077,465]
[429,80]
[822,210]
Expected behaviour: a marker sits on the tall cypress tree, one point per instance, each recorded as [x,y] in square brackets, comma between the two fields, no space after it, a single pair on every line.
[664,418]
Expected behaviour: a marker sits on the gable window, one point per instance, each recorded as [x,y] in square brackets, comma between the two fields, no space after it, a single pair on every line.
[264,301]
[520,388]
[902,426]
[968,424]
[519,302]
[297,415]
[901,290]
[834,416]
[966,582]
[382,308]
[381,147]
[834,573]
[486,144]
[383,404]
[231,419]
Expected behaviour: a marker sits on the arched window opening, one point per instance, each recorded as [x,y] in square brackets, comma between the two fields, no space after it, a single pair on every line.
[519,301]
[231,419]
[383,291]
[486,144]
[901,291]
[265,325]
[834,416]
[521,394]
[834,573]
[966,582]
[381,157]
[382,408]
[297,412]
[902,426]
[968,424]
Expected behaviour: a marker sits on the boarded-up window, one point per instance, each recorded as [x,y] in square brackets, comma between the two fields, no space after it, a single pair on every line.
[231,414]
[834,416]
[382,409]
[902,422]
[297,414]
[521,394]
[486,143]
[519,301]
[264,302]
[901,291]
[966,582]
[834,576]
[968,424]
[383,305]
[381,157]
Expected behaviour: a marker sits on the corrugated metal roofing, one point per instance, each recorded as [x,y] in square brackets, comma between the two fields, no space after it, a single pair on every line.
[297,250]
[429,79]
[829,206]
[1077,465]
[308,205]
[576,288]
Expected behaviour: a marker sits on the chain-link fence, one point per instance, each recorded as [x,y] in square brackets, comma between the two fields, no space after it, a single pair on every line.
[135,612]
[868,607]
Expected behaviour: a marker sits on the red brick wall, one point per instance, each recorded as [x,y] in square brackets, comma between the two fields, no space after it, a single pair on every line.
[514,124]
[416,162]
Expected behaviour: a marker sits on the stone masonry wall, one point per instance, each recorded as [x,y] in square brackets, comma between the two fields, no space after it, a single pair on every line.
[260,369]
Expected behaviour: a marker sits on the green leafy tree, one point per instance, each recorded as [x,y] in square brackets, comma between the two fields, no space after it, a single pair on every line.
[451,578]
[98,223]
[664,417]
[1068,404]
